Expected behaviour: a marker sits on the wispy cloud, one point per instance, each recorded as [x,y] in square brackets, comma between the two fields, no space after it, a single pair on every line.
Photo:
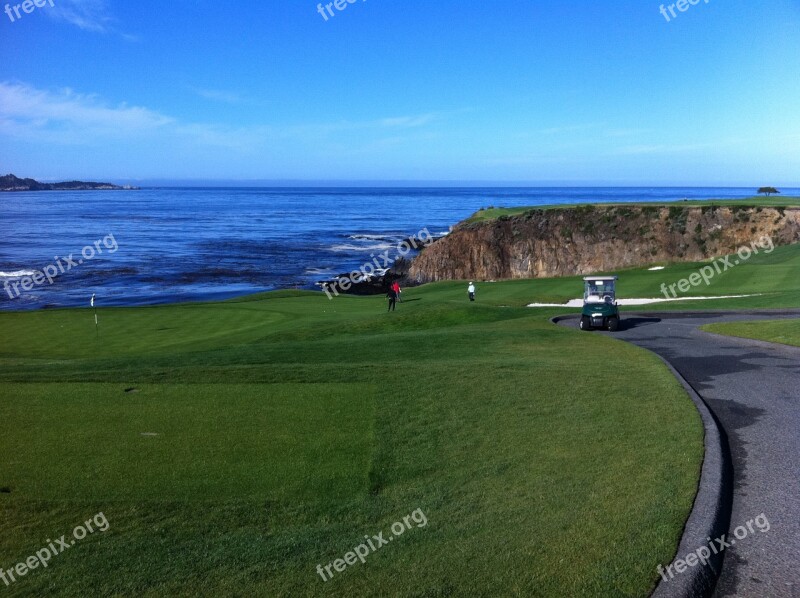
[627,132]
[596,129]
[359,134]
[379,124]
[665,148]
[407,121]
[218,95]
[88,15]
[223,136]
[66,115]
[571,128]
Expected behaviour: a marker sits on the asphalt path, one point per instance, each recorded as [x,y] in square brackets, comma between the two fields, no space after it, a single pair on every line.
[753,390]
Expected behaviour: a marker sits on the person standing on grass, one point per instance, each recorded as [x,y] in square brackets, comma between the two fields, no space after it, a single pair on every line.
[392,298]
[397,291]
[471,291]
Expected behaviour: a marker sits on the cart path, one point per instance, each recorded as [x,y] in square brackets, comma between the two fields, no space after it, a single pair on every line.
[753,388]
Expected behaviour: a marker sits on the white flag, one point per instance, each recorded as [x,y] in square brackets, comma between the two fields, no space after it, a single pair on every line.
[92,301]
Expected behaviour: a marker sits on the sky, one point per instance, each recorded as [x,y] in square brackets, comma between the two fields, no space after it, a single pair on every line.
[557,92]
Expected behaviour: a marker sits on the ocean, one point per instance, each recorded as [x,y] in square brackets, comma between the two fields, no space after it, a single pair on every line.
[162,245]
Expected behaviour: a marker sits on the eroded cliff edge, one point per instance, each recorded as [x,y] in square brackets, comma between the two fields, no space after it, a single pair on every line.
[590,239]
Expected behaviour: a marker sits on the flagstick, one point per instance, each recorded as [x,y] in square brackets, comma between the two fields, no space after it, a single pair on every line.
[96,331]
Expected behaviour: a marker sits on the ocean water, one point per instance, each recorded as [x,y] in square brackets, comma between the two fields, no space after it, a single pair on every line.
[179,244]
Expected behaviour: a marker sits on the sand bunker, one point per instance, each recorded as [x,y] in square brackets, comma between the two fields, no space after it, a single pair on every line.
[579,302]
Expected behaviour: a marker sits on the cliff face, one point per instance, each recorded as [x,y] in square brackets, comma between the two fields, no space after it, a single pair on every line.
[587,240]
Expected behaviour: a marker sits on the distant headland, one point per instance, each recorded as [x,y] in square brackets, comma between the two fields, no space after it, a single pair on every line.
[10,182]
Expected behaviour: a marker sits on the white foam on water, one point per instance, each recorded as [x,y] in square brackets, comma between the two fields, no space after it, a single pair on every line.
[319,271]
[373,247]
[17,274]
[366,237]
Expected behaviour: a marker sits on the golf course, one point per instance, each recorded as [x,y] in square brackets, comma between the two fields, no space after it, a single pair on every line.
[235,446]
[373,299]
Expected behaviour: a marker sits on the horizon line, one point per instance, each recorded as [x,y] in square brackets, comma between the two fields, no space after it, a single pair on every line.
[442,183]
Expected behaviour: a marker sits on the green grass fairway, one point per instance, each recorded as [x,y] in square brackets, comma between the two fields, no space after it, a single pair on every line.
[785,332]
[263,436]
[772,279]
[493,213]
[173,442]
[270,434]
[235,446]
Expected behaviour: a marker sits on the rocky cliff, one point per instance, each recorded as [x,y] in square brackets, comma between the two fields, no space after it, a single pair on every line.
[591,239]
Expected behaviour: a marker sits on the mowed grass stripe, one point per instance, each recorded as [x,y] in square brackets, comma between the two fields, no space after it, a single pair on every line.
[186,442]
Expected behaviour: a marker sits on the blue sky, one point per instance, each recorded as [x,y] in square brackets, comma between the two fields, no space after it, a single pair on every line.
[536,91]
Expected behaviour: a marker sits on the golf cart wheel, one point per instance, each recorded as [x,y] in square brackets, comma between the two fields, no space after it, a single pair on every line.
[585,323]
[613,324]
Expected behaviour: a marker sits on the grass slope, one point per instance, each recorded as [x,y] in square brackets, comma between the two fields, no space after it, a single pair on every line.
[785,332]
[771,277]
[272,433]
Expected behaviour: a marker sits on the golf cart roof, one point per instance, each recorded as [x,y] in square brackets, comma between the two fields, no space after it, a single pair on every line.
[587,278]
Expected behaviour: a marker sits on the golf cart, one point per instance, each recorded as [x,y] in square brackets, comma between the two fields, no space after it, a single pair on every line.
[600,308]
